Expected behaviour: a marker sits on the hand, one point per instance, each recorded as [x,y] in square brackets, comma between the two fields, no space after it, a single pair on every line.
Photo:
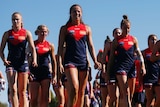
[54,81]
[6,62]
[143,71]
[98,65]
[34,64]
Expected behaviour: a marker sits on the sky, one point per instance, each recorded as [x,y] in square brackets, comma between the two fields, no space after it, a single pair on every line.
[101,15]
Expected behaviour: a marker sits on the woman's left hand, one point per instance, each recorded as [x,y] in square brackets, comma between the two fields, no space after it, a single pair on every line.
[54,81]
[98,65]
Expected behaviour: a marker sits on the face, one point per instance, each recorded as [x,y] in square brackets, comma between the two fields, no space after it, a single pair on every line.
[117,33]
[17,20]
[76,13]
[152,40]
[126,28]
[43,32]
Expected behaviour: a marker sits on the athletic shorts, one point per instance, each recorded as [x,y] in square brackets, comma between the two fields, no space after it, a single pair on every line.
[139,97]
[40,73]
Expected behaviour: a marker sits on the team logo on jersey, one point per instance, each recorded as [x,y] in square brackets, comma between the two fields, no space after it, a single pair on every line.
[11,37]
[121,43]
[82,32]
[130,43]
[148,55]
[45,49]
[21,37]
[71,32]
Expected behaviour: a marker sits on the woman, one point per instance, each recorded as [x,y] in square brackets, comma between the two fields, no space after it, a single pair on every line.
[112,83]
[59,88]
[42,74]
[125,46]
[139,95]
[101,75]
[151,79]
[16,62]
[76,34]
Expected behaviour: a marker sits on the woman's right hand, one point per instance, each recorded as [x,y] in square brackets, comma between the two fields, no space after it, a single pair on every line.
[6,62]
[34,64]
[98,65]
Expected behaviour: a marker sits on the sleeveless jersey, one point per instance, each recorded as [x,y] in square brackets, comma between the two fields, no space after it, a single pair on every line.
[139,77]
[152,68]
[42,49]
[124,51]
[76,45]
[16,46]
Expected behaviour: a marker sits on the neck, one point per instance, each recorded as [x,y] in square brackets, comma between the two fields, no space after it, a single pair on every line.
[16,28]
[41,40]
[150,47]
[76,22]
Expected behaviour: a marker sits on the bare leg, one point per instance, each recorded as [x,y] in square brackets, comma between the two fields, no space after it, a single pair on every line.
[12,83]
[22,89]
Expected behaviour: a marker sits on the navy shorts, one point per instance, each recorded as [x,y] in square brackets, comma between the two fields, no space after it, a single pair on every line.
[83,67]
[40,73]
[18,66]
[139,97]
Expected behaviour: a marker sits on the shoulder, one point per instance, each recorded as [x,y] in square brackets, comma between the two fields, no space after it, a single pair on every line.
[28,33]
[88,29]
[6,34]
[50,44]
[134,38]
[63,29]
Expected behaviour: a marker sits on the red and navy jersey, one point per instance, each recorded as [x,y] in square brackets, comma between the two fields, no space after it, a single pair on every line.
[125,53]
[76,45]
[43,50]
[139,77]
[152,68]
[17,45]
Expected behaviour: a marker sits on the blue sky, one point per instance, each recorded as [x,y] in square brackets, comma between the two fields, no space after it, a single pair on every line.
[101,15]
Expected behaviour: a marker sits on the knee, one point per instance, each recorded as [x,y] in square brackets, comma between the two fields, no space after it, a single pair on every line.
[13,91]
[73,91]
[22,93]
[113,98]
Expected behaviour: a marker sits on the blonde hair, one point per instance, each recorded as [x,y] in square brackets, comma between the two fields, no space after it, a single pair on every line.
[40,28]
[20,15]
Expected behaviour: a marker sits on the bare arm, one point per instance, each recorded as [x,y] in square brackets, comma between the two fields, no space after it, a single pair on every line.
[61,50]
[32,48]
[53,62]
[91,48]
[3,44]
[137,50]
